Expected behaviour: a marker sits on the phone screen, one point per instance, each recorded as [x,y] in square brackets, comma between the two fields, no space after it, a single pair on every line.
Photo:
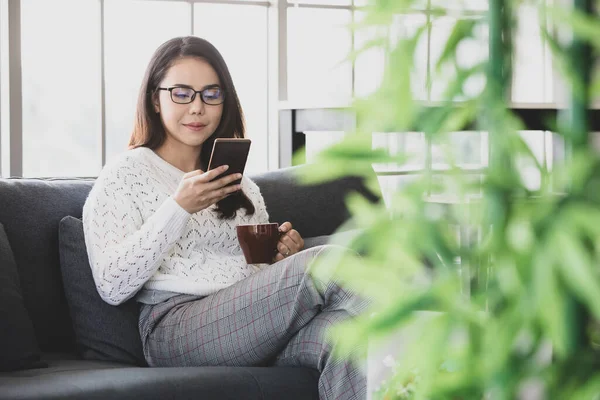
[232,152]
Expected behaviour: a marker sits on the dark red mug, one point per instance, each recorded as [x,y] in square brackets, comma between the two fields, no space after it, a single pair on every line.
[259,242]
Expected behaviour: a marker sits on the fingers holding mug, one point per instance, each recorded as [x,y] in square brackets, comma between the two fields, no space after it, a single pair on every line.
[284,250]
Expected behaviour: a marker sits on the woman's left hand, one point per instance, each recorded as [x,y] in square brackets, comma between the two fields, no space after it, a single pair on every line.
[290,242]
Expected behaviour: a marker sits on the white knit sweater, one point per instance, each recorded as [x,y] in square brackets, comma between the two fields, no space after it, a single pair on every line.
[138,236]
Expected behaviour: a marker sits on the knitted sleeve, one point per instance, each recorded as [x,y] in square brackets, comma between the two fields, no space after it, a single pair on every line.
[125,251]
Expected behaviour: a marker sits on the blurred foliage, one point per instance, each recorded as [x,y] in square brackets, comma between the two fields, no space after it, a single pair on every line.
[508,308]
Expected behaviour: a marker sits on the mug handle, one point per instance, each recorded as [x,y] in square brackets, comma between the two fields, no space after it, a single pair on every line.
[280,235]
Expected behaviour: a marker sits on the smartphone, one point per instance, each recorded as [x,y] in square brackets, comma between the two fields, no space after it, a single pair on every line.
[232,152]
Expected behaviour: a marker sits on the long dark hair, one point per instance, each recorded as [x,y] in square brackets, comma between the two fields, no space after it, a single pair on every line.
[148,130]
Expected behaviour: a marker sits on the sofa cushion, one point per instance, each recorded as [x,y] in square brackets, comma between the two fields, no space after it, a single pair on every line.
[77,379]
[102,331]
[31,210]
[18,346]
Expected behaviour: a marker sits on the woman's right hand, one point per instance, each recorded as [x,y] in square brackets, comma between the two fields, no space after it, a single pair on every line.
[196,191]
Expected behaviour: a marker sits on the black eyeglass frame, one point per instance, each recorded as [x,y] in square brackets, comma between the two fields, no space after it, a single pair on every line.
[170,90]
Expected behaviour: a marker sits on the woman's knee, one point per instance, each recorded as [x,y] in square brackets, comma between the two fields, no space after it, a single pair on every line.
[326,259]
[316,263]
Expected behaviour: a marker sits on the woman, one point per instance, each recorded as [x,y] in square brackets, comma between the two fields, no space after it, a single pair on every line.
[157,228]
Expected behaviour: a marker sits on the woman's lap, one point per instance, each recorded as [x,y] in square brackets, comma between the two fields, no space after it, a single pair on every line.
[249,323]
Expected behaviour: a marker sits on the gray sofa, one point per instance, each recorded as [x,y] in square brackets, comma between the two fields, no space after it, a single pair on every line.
[31,209]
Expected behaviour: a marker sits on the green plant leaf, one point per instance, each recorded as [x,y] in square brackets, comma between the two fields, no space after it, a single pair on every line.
[584,26]
[376,43]
[577,270]
[590,389]
[462,29]
[562,62]
[550,300]
[534,263]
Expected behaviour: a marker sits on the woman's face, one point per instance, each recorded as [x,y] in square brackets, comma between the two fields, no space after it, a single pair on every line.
[189,124]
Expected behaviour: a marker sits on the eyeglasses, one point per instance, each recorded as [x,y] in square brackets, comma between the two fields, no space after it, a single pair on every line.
[212,96]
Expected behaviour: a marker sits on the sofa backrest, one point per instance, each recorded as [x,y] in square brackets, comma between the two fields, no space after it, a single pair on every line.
[314,210]
[31,210]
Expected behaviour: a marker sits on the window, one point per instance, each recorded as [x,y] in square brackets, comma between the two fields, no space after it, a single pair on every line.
[81,76]
[318,44]
[127,53]
[61,87]
[405,26]
[532,83]
[246,55]
[470,53]
[532,79]
[369,65]
[98,60]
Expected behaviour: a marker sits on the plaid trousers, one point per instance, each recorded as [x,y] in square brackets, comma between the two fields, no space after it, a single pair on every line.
[278,317]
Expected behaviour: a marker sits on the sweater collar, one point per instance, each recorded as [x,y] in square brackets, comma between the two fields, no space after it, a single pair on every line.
[163,163]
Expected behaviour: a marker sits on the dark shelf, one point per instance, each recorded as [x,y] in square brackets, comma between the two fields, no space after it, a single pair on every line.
[293,122]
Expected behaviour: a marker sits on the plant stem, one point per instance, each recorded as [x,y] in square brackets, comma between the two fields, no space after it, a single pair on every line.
[499,67]
[494,113]
[498,82]
[495,108]
[581,58]
[577,140]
